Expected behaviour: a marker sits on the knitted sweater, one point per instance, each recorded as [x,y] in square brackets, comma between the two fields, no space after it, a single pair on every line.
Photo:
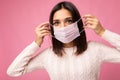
[86,66]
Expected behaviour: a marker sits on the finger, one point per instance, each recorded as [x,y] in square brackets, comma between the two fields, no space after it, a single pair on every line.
[46,34]
[42,28]
[89,24]
[44,31]
[88,20]
[88,16]
[45,24]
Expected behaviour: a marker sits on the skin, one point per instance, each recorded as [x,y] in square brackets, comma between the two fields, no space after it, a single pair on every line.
[89,21]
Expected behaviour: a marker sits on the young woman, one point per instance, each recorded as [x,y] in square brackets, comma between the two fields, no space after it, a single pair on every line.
[70,57]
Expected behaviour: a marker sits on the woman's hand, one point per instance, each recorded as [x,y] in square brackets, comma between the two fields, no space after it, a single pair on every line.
[41,31]
[92,22]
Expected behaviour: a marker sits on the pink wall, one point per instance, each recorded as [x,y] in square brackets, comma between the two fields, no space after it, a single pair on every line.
[18,19]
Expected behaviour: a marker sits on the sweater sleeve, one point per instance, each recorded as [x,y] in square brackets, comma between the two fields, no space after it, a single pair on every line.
[110,54]
[25,62]
[112,38]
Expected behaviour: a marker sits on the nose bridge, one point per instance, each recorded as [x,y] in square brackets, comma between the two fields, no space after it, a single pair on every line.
[62,24]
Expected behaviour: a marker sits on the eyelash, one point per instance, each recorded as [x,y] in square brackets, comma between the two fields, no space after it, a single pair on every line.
[69,21]
[56,23]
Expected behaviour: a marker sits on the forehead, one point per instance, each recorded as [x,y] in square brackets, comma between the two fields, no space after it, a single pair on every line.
[62,14]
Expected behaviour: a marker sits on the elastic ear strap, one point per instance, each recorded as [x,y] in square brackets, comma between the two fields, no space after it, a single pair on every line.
[82,30]
[79,19]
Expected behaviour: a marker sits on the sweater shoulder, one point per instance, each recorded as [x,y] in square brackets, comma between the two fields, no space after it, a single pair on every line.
[47,50]
[95,45]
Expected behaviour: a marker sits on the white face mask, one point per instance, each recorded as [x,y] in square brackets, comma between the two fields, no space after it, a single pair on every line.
[68,33]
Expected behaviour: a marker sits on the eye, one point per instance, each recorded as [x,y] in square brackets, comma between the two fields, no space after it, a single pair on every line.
[70,21]
[56,23]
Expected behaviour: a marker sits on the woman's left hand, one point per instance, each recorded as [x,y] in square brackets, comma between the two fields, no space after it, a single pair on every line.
[92,22]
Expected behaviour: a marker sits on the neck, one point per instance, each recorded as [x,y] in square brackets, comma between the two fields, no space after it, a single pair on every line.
[68,45]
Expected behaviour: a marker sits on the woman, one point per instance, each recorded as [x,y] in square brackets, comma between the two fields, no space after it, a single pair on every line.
[71,57]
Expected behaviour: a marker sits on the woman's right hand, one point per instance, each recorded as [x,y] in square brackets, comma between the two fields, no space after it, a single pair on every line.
[41,31]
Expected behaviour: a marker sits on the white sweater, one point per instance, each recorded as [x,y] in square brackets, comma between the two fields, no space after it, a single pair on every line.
[86,66]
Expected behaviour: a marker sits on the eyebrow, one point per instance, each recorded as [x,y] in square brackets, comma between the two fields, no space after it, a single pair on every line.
[67,18]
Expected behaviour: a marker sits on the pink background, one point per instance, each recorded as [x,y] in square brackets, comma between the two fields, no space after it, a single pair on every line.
[18,19]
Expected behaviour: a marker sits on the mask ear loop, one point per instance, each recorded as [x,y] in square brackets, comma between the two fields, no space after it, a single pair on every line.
[83,28]
[52,35]
[79,19]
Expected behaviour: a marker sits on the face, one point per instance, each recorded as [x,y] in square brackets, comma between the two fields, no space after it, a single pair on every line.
[62,18]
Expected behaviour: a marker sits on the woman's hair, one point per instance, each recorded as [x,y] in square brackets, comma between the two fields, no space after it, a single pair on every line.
[80,42]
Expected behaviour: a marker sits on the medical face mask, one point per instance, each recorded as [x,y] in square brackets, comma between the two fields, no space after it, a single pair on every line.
[68,33]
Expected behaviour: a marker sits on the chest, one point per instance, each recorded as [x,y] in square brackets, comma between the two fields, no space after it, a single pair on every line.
[72,67]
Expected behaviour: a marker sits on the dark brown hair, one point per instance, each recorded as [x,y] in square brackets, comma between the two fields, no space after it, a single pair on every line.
[80,42]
